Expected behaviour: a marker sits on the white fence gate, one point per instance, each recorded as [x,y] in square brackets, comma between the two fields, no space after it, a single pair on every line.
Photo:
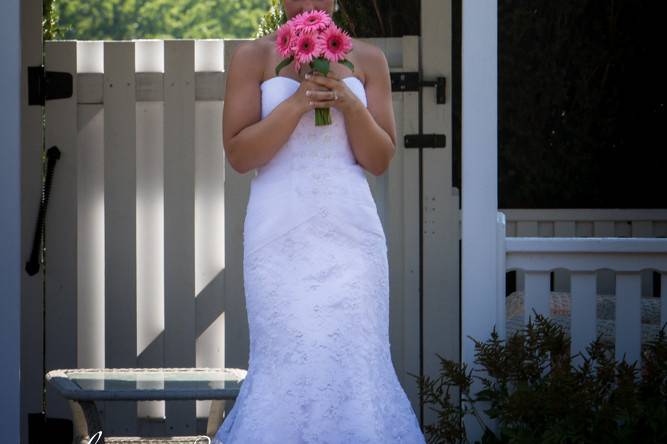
[144,231]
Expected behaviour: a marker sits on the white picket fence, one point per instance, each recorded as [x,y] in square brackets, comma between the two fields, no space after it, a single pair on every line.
[144,231]
[569,245]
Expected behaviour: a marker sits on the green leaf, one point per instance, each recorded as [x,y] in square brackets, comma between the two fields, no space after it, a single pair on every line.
[283,64]
[320,65]
[347,63]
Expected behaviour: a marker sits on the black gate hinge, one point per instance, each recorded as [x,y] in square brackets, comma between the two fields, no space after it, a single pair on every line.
[47,85]
[409,81]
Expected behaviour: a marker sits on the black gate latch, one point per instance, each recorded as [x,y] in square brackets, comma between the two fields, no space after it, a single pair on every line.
[47,85]
[409,81]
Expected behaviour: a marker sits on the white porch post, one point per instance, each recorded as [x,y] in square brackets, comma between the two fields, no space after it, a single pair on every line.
[479,148]
[10,222]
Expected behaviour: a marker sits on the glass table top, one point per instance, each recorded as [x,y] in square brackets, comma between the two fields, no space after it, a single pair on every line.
[143,383]
[145,380]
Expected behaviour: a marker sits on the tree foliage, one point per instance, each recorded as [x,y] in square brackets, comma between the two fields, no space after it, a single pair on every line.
[199,19]
[159,19]
[50,28]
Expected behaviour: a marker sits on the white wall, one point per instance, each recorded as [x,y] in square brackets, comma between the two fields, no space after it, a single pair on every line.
[10,220]
[479,176]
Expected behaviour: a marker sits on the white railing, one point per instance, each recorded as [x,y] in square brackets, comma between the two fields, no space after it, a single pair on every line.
[566,222]
[582,257]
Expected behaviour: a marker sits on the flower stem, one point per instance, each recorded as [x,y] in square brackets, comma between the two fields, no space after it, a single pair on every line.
[322,116]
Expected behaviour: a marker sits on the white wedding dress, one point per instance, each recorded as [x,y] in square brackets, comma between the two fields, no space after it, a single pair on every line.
[317,297]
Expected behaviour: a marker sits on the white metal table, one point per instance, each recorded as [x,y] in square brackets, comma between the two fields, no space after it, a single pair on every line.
[82,387]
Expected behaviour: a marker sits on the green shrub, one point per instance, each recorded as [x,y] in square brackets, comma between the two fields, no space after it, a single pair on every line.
[537,394]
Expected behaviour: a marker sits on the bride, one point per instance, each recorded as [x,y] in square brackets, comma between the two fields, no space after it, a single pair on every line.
[315,254]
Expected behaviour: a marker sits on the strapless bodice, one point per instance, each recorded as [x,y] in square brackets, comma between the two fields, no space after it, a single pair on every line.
[277,89]
[314,171]
[309,148]
[315,161]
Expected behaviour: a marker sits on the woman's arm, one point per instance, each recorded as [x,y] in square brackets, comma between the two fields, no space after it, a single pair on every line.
[372,131]
[248,140]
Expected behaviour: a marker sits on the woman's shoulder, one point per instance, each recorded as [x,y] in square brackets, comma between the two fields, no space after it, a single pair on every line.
[369,58]
[252,48]
[265,41]
[363,48]
[247,54]
[257,48]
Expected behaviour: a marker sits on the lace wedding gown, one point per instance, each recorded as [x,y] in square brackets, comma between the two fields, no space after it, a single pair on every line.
[317,297]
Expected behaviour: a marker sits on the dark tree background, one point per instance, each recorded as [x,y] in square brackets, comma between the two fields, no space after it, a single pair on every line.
[380,18]
[582,104]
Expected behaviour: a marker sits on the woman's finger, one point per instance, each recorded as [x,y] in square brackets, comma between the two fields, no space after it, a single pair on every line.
[323,104]
[321,95]
[328,82]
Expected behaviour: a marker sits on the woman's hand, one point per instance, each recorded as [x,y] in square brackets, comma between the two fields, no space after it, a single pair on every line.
[301,99]
[318,91]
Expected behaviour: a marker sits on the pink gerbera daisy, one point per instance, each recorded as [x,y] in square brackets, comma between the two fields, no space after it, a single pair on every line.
[307,48]
[312,21]
[335,43]
[285,39]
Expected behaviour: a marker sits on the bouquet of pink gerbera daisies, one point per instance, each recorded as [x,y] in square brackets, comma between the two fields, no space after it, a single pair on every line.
[313,38]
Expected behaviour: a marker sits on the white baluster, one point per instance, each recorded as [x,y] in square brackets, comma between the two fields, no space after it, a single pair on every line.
[628,316]
[536,294]
[583,316]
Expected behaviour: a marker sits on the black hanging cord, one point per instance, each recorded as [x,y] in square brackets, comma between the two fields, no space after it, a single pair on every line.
[32,266]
